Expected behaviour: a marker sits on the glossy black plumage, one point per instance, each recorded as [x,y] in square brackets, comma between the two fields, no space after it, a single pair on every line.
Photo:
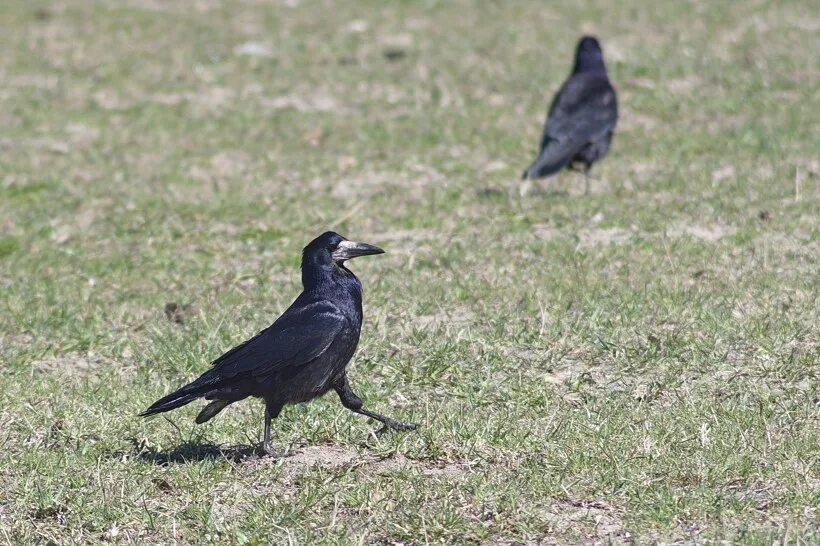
[581,118]
[303,354]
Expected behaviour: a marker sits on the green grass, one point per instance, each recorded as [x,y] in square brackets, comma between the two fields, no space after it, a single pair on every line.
[640,364]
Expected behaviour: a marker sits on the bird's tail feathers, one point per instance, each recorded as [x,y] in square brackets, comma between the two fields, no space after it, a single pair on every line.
[553,157]
[180,397]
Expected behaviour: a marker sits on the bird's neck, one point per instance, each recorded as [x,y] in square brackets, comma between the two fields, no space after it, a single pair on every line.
[332,282]
[591,63]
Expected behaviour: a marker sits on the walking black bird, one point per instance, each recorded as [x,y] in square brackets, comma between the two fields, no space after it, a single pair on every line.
[581,119]
[303,354]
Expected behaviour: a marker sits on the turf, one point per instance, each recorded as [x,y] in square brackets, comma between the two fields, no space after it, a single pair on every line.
[636,365]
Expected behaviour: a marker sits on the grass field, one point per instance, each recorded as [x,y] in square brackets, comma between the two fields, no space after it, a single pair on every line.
[640,364]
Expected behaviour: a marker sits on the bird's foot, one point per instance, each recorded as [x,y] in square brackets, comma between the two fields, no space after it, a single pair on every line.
[386,421]
[267,449]
[525,186]
[401,427]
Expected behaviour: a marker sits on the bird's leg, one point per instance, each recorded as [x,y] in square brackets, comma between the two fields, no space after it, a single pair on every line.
[354,403]
[525,186]
[266,442]
[271,411]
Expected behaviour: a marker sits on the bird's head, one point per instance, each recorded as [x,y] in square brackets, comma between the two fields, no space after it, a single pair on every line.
[588,54]
[330,247]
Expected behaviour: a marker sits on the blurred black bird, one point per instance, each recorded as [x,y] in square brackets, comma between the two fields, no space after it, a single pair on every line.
[300,356]
[581,119]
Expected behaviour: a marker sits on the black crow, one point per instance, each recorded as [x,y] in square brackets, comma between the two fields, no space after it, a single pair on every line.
[300,356]
[581,119]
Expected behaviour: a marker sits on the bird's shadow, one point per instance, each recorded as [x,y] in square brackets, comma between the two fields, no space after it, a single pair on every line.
[195,451]
[539,187]
[191,452]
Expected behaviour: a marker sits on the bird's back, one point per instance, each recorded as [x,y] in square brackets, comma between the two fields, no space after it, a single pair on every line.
[585,108]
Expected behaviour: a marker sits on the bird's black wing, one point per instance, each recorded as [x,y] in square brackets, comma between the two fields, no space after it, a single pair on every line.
[585,107]
[302,334]
[584,110]
[298,337]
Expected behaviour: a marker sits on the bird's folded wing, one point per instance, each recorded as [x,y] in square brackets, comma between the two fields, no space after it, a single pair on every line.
[298,337]
[583,110]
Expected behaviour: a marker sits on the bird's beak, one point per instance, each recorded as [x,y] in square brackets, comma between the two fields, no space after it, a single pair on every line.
[351,249]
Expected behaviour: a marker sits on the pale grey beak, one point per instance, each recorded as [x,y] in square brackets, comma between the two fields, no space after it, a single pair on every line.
[351,249]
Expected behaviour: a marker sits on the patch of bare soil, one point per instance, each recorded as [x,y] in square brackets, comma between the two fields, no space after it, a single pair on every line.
[407,241]
[343,458]
[45,82]
[446,317]
[399,462]
[724,173]
[597,521]
[547,232]
[364,185]
[78,224]
[412,235]
[203,102]
[15,339]
[328,457]
[644,171]
[77,137]
[605,236]
[592,236]
[77,366]
[316,101]
[637,121]
[591,523]
[229,164]
[588,237]
[711,233]
[254,49]
[161,6]
[683,86]
[107,99]
[569,373]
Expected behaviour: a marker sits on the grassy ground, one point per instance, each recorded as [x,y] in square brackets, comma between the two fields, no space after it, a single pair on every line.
[635,365]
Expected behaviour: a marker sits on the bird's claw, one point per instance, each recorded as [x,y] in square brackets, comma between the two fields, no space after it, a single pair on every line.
[401,427]
[267,450]
[406,426]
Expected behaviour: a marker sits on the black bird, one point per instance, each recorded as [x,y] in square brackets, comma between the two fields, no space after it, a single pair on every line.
[581,119]
[300,356]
